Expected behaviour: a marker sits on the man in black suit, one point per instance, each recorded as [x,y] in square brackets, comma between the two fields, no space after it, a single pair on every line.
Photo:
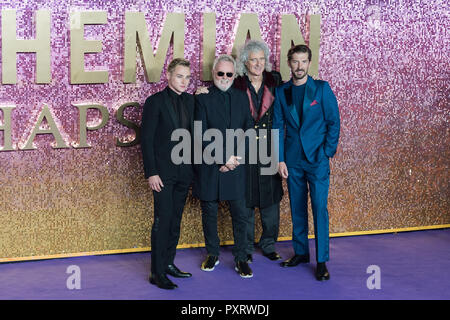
[164,112]
[222,108]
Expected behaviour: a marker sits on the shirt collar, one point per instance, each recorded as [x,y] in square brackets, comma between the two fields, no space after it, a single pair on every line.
[173,94]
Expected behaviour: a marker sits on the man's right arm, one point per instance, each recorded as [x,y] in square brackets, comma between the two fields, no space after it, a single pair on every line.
[150,118]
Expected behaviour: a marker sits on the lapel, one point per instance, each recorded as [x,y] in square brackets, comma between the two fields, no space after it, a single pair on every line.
[310,91]
[233,104]
[252,107]
[267,96]
[289,103]
[187,103]
[169,107]
[267,100]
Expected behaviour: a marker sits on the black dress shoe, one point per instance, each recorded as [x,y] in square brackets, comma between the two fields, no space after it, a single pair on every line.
[296,260]
[322,272]
[272,256]
[177,273]
[161,281]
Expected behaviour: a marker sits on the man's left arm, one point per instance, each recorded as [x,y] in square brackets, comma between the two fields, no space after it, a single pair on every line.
[332,119]
[247,124]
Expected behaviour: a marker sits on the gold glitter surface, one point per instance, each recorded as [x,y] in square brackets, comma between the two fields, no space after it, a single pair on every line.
[94,201]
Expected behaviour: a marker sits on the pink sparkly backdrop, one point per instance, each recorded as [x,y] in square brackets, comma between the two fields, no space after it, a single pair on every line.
[387,62]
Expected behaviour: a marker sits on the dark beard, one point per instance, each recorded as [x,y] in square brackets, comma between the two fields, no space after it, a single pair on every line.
[299,78]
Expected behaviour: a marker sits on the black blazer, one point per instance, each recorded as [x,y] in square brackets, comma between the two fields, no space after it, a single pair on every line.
[158,123]
[211,184]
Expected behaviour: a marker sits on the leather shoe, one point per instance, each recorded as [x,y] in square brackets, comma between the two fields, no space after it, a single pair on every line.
[173,271]
[161,281]
[272,256]
[322,272]
[296,260]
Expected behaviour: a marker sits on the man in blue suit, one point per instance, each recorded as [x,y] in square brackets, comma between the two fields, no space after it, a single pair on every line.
[307,115]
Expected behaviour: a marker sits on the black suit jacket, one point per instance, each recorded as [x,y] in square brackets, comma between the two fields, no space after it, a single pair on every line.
[159,120]
[210,183]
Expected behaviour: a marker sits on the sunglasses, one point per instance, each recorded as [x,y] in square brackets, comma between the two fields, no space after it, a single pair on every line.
[221,74]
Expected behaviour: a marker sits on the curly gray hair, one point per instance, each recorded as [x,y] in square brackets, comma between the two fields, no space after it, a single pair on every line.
[244,52]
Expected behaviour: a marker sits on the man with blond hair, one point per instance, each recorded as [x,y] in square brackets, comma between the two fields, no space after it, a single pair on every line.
[164,112]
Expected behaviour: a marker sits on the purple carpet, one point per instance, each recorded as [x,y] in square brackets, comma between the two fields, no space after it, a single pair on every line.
[411,265]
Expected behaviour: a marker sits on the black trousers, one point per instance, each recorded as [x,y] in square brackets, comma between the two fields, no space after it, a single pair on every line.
[239,215]
[168,209]
[270,221]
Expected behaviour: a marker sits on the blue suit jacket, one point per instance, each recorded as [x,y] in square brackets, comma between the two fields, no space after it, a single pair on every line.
[319,130]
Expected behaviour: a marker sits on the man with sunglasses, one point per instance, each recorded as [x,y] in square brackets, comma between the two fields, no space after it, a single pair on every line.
[222,108]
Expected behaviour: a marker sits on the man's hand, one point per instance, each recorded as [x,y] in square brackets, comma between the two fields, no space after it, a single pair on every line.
[231,164]
[155,183]
[283,170]
[201,90]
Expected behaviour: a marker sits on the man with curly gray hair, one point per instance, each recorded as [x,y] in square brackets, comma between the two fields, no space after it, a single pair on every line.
[246,50]
[265,192]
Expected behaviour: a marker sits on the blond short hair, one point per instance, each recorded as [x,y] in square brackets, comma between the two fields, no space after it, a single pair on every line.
[178,62]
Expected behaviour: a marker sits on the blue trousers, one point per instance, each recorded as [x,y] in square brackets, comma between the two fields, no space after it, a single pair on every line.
[316,178]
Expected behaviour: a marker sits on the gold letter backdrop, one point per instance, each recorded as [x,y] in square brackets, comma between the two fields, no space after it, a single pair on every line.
[75,75]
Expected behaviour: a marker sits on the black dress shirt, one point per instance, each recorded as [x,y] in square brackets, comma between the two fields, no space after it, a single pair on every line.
[180,109]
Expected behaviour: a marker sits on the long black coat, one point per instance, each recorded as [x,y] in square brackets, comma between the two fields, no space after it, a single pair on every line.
[211,184]
[158,122]
[262,190]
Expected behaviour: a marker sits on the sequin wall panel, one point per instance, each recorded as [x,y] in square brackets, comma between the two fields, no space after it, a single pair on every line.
[78,190]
